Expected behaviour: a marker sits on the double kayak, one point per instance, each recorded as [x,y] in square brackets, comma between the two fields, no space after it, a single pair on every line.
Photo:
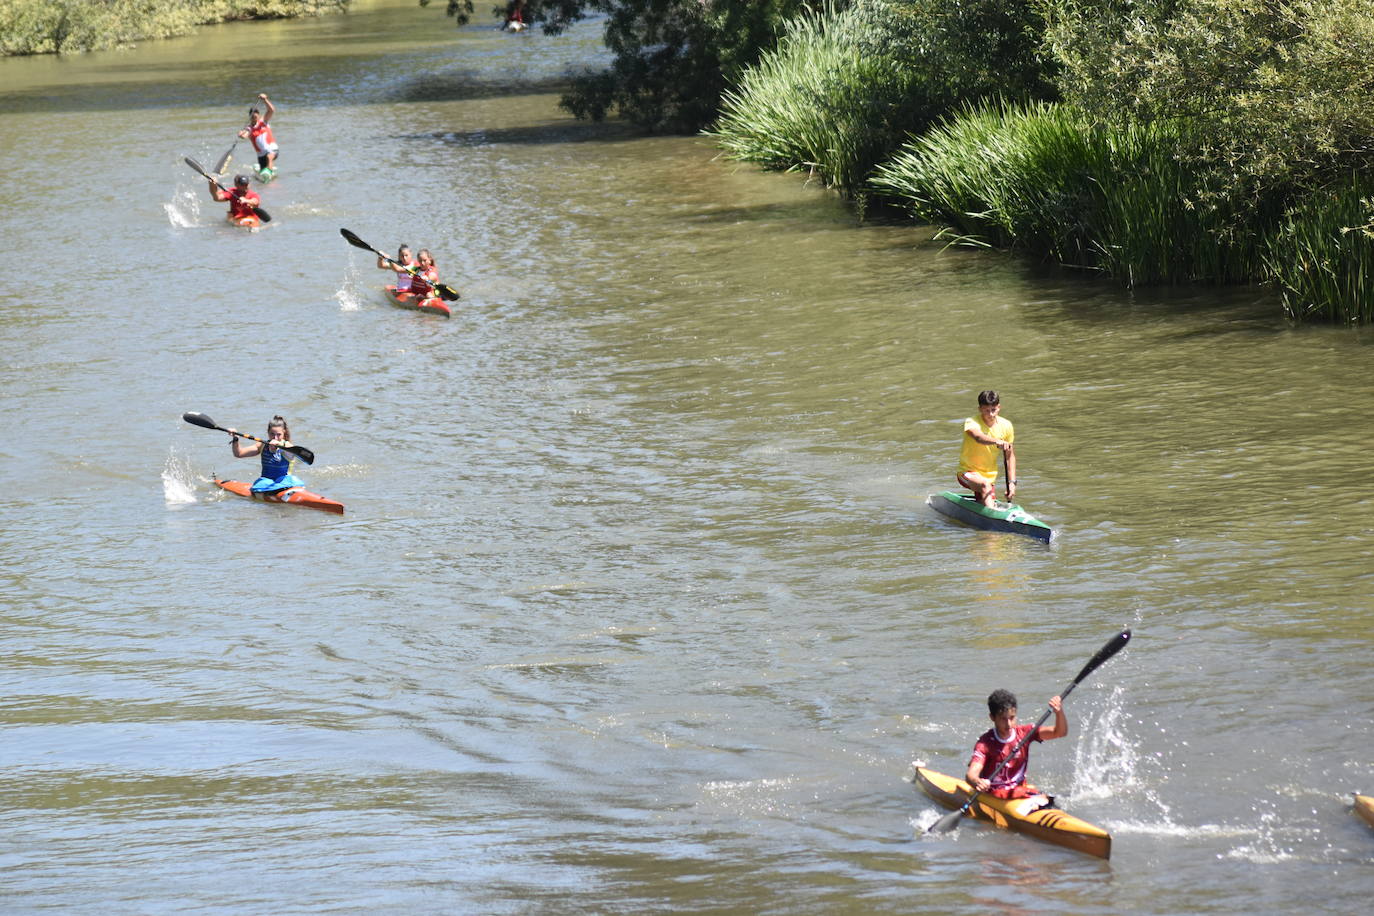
[296,496]
[1007,517]
[434,305]
[1364,807]
[1021,814]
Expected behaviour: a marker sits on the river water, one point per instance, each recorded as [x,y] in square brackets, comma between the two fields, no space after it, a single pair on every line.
[637,605]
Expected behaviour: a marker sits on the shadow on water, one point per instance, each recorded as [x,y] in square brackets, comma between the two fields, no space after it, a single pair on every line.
[531,135]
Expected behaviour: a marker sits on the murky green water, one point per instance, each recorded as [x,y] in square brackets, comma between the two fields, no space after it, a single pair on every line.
[636,605]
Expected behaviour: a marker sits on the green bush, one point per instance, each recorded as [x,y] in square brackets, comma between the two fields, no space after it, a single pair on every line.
[1321,256]
[65,26]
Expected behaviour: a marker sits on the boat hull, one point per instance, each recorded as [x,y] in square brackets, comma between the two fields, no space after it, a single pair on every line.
[1364,807]
[434,305]
[295,496]
[245,222]
[1007,517]
[1049,824]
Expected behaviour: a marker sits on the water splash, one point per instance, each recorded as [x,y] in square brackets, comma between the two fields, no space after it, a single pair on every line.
[183,210]
[349,293]
[178,480]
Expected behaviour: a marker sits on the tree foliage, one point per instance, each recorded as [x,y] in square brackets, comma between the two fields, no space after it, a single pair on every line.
[672,58]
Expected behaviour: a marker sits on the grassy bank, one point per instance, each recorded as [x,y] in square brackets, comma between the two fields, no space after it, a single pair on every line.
[65,26]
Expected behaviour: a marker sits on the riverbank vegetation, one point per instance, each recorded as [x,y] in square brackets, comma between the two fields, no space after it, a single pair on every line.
[1153,141]
[65,26]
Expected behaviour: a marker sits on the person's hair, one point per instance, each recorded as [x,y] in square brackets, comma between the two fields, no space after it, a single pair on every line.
[252,111]
[999,701]
[279,420]
[401,250]
[988,398]
[423,252]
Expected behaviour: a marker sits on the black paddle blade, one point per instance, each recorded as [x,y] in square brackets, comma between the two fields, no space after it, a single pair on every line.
[948,822]
[446,292]
[262,214]
[223,163]
[359,243]
[198,167]
[195,418]
[301,452]
[1113,646]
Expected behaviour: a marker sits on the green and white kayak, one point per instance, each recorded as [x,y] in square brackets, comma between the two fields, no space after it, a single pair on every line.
[1007,517]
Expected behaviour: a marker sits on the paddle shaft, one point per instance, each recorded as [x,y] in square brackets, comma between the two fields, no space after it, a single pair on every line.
[259,212]
[1114,645]
[444,290]
[204,422]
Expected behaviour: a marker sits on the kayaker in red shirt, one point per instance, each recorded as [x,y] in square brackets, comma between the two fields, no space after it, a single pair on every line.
[515,16]
[241,199]
[996,744]
[425,276]
[264,144]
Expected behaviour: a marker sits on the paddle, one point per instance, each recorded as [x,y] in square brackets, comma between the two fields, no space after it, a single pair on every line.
[224,162]
[447,293]
[1113,646]
[195,418]
[259,212]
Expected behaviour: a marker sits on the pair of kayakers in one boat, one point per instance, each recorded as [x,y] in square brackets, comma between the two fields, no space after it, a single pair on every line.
[242,200]
[276,463]
[998,742]
[985,436]
[264,143]
[415,277]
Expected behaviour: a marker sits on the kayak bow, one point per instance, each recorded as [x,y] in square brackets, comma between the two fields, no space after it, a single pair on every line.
[1049,824]
[1364,807]
[434,305]
[1007,517]
[296,496]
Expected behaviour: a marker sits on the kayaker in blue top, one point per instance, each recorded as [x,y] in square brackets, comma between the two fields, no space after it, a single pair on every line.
[276,464]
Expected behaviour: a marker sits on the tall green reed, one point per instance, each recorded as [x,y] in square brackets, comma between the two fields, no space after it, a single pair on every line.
[1321,256]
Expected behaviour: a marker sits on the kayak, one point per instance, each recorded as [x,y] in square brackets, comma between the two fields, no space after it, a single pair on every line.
[265,175]
[250,221]
[296,496]
[1007,517]
[1049,824]
[1364,807]
[434,305]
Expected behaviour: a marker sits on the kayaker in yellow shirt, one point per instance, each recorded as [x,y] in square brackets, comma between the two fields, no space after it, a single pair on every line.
[984,436]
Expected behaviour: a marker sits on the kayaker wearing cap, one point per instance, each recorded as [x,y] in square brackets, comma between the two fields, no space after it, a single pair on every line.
[984,436]
[276,464]
[997,743]
[241,199]
[404,259]
[264,144]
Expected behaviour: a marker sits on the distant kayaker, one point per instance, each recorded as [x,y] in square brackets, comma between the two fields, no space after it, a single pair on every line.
[984,436]
[264,144]
[425,276]
[276,464]
[515,16]
[241,199]
[997,743]
[404,259]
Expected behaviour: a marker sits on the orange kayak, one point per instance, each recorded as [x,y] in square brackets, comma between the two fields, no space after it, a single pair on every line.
[1364,807]
[247,222]
[1049,824]
[434,305]
[296,496]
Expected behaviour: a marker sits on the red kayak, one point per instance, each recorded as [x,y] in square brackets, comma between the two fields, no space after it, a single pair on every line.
[434,305]
[296,496]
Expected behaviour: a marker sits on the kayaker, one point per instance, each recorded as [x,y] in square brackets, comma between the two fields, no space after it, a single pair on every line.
[997,743]
[276,464]
[425,276]
[404,259]
[241,199]
[984,436]
[264,144]
[515,16]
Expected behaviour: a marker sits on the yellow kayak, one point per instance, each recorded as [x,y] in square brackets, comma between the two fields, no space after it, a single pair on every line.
[1049,824]
[1364,807]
